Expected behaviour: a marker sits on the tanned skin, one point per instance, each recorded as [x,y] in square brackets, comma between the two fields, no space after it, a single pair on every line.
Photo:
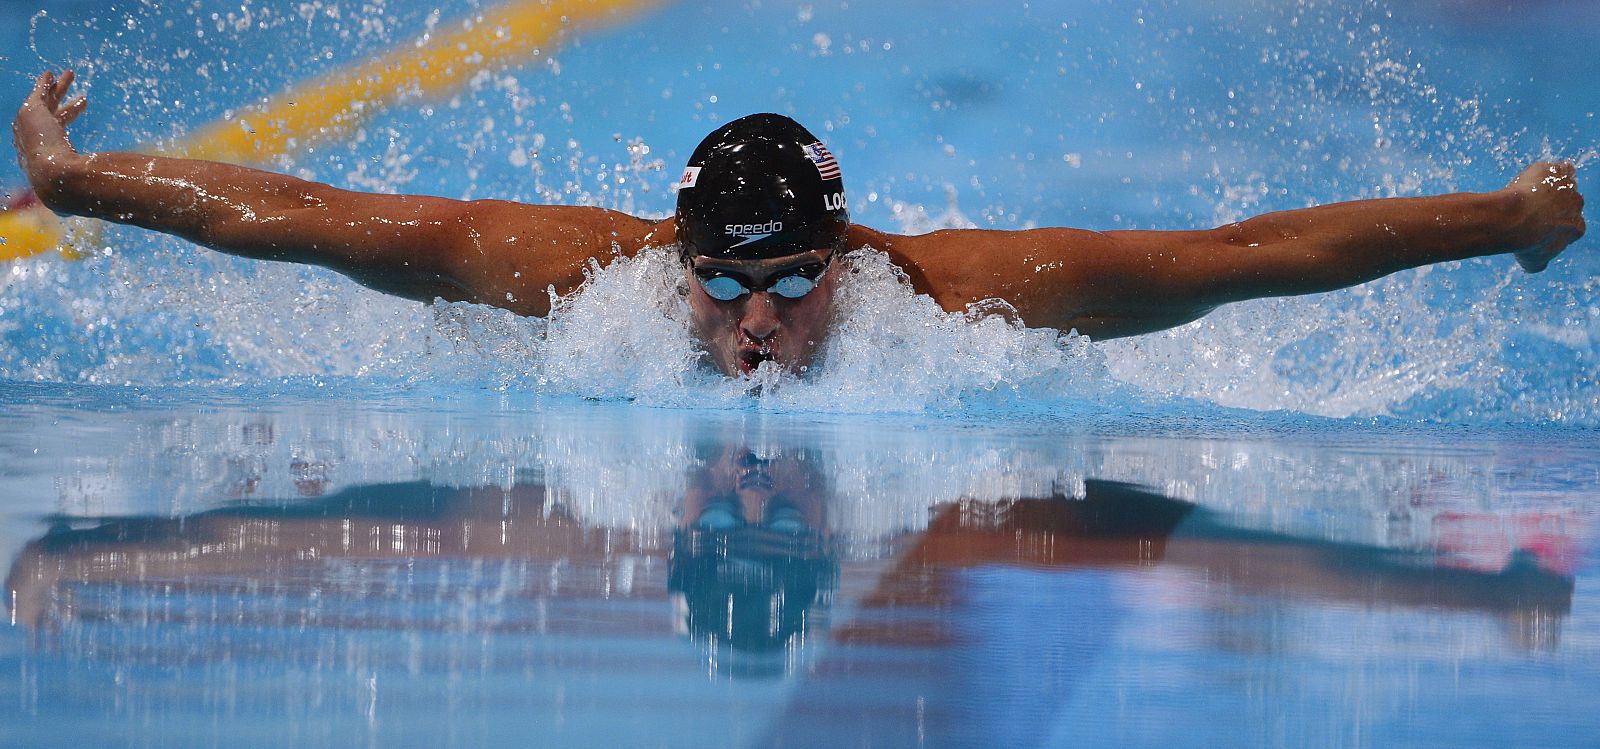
[505,254]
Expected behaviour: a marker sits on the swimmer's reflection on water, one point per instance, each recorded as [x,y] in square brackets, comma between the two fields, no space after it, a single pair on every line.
[751,563]
[751,566]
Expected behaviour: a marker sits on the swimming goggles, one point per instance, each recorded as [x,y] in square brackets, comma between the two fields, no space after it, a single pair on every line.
[726,286]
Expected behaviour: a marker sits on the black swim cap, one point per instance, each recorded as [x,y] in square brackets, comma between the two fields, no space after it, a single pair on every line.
[752,588]
[760,187]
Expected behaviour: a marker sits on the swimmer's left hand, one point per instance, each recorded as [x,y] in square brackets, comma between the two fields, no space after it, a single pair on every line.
[40,131]
[1551,210]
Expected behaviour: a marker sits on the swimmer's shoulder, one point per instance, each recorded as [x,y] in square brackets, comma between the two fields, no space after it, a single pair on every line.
[511,254]
[1044,273]
[901,249]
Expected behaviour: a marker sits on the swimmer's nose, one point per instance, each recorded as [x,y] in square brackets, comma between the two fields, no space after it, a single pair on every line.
[760,318]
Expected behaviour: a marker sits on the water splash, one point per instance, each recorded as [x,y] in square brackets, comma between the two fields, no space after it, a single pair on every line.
[625,334]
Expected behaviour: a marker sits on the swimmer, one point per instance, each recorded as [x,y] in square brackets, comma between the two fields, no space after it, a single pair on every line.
[761,221]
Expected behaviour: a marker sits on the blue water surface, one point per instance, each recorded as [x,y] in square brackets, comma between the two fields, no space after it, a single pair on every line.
[333,564]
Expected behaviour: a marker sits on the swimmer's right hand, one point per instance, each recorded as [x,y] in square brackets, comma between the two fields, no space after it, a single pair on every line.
[40,132]
[1551,211]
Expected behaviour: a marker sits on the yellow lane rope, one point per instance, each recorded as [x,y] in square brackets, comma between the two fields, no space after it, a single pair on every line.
[336,102]
[29,229]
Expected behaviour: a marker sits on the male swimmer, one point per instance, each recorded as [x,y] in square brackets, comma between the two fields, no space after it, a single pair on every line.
[760,223]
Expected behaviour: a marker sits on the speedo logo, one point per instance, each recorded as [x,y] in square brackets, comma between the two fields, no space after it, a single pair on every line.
[748,233]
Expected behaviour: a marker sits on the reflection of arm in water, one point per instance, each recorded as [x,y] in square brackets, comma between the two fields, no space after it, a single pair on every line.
[1121,283]
[279,544]
[1121,525]
[492,252]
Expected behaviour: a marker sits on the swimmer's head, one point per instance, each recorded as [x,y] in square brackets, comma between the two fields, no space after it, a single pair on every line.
[758,188]
[761,221]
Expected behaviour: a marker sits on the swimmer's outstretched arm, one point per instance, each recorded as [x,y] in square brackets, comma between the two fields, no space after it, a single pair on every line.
[1122,283]
[491,252]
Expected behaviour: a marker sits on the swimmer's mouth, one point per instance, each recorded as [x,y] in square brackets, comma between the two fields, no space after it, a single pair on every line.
[751,358]
[754,480]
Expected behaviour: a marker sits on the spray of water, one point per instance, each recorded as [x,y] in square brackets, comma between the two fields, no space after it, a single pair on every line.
[625,335]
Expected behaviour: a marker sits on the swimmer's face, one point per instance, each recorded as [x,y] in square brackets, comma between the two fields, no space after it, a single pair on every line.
[739,488]
[741,333]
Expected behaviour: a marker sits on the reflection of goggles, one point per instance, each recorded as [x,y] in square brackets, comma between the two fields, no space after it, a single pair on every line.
[728,514]
[726,286]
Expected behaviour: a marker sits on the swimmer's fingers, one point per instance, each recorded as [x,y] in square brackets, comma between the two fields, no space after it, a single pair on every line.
[48,91]
[40,95]
[45,90]
[39,130]
[50,88]
[36,97]
[35,106]
[52,95]
[1557,175]
[58,90]
[71,111]
[1535,259]
[43,83]
[1550,194]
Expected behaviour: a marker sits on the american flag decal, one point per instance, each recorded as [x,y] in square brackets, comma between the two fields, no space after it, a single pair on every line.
[826,166]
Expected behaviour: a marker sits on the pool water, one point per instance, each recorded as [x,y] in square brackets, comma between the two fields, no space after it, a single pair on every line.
[470,570]
[252,504]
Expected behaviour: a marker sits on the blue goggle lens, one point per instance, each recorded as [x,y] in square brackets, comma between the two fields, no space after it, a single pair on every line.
[720,516]
[723,288]
[793,287]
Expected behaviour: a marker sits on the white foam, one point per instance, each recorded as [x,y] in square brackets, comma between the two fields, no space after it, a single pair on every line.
[625,334]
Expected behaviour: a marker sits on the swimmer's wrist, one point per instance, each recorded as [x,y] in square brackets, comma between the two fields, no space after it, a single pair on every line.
[1516,215]
[57,179]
